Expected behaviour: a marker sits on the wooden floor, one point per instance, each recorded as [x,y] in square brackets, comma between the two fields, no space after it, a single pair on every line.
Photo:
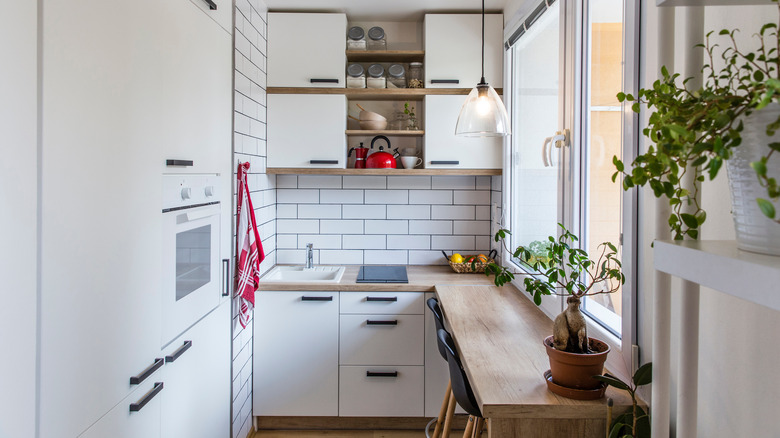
[348,434]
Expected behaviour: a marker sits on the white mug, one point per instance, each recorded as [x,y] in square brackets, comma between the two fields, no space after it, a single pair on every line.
[410,162]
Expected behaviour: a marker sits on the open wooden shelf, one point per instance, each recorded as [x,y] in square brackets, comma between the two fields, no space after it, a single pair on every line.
[376,93]
[388,172]
[364,132]
[386,55]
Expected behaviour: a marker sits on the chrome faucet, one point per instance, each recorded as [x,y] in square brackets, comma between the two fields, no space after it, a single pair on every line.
[309,256]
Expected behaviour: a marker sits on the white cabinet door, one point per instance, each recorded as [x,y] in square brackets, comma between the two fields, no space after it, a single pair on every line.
[121,422]
[381,340]
[453,50]
[306,50]
[221,11]
[196,401]
[445,150]
[307,130]
[296,354]
[381,391]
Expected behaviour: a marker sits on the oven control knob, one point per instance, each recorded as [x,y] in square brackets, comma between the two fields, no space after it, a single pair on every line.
[186,192]
[209,191]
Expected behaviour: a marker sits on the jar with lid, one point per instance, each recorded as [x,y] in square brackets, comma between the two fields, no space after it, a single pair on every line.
[356,76]
[356,38]
[396,77]
[376,39]
[415,75]
[400,121]
[376,76]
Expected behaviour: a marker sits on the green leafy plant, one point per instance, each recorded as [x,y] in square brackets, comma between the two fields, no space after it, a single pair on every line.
[697,130]
[636,422]
[409,110]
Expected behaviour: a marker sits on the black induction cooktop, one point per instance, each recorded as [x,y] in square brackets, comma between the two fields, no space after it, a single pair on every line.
[382,274]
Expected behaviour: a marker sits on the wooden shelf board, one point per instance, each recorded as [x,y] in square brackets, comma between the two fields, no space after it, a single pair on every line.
[364,132]
[386,55]
[712,2]
[376,93]
[387,172]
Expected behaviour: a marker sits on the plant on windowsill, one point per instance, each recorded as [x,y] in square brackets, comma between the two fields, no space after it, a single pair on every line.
[565,270]
[634,423]
[696,131]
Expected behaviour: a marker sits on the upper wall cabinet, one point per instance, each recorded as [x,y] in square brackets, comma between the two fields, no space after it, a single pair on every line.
[306,50]
[453,50]
[221,11]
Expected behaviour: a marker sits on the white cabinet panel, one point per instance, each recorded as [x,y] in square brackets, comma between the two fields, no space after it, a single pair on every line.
[453,49]
[120,422]
[222,15]
[296,354]
[445,150]
[381,340]
[307,130]
[381,391]
[382,302]
[304,48]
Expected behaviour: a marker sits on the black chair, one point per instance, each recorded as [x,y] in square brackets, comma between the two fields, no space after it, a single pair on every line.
[446,412]
[461,388]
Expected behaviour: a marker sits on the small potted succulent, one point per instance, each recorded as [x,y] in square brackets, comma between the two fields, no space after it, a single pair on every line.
[560,268]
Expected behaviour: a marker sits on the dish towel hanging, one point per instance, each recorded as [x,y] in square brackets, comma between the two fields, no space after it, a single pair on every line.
[249,249]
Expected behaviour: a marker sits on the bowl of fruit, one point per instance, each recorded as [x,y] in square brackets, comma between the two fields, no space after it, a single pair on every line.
[470,264]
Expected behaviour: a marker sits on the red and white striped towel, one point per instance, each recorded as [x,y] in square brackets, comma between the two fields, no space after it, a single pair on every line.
[249,249]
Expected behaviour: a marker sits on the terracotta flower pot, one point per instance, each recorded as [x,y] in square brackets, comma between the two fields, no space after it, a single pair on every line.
[574,370]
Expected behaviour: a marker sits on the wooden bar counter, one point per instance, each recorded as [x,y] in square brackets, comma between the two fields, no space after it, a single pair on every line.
[499,336]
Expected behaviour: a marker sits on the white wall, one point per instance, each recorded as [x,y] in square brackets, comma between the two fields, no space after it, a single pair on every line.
[18,216]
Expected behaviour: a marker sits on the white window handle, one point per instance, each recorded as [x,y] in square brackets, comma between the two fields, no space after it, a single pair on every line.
[546,158]
[559,140]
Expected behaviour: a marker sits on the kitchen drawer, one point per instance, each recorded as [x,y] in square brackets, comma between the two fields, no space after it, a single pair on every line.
[396,392]
[381,340]
[406,303]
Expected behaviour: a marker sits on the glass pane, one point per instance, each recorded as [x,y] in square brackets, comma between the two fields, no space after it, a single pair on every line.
[602,215]
[193,267]
[536,85]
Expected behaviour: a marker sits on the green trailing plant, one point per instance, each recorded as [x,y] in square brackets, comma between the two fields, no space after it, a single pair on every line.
[409,110]
[634,423]
[697,130]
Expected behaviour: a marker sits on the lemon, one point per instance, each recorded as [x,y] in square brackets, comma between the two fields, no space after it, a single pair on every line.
[456,258]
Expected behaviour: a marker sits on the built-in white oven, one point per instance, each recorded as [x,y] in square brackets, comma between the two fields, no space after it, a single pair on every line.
[192,281]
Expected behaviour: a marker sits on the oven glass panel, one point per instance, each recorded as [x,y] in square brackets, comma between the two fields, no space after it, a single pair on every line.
[193,265]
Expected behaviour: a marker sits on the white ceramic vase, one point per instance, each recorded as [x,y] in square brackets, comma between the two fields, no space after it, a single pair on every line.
[755,232]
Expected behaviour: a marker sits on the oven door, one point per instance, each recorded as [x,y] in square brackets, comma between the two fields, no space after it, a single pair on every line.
[190,266]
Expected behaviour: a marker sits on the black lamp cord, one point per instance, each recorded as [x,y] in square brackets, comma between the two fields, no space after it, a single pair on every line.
[482,81]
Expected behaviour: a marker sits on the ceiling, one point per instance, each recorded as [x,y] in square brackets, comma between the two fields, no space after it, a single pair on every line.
[386,10]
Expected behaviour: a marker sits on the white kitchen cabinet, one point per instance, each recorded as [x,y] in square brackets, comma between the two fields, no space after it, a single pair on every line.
[296,354]
[381,391]
[381,339]
[406,303]
[121,422]
[445,150]
[196,401]
[220,11]
[307,130]
[307,50]
[453,50]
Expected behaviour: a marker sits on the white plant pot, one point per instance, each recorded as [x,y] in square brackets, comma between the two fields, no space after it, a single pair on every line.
[755,232]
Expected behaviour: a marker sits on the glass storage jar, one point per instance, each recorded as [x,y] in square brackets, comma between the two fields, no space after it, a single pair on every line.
[376,39]
[415,75]
[400,121]
[356,38]
[356,76]
[396,76]
[376,76]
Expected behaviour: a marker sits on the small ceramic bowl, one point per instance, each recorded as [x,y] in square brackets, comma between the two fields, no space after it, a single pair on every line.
[370,115]
[373,124]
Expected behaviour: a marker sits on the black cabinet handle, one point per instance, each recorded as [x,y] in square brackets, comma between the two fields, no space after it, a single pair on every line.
[374,322]
[445,162]
[172,358]
[212,5]
[305,298]
[445,81]
[381,298]
[323,161]
[183,163]
[137,406]
[381,374]
[226,277]
[324,81]
[159,362]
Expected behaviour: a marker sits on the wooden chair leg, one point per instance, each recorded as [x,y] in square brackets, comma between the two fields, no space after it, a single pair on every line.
[448,420]
[469,427]
[480,423]
[443,411]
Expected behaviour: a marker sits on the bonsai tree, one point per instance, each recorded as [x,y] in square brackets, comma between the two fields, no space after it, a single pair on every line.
[697,130]
[563,270]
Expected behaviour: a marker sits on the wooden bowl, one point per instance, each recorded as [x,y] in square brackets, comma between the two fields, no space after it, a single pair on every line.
[373,125]
[370,115]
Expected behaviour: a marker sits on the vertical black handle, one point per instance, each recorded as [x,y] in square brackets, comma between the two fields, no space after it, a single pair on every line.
[305,298]
[381,298]
[374,322]
[159,362]
[137,406]
[172,357]
[212,5]
[226,277]
[381,374]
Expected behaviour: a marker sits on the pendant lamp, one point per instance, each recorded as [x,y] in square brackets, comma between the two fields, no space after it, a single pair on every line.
[483,114]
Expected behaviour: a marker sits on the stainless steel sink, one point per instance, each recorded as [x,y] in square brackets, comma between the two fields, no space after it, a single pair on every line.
[297,274]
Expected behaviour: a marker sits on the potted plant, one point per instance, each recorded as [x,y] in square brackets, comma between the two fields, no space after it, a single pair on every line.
[731,119]
[635,422]
[565,270]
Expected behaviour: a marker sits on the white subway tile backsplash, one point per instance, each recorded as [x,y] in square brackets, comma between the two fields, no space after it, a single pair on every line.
[454,243]
[387,227]
[319,181]
[409,242]
[365,182]
[465,212]
[319,211]
[320,241]
[483,243]
[387,196]
[295,256]
[374,257]
[430,197]
[286,211]
[474,228]
[297,196]
[409,212]
[287,181]
[287,241]
[365,211]
[295,226]
[426,258]
[341,226]
[341,257]
[341,196]
[471,197]
[454,182]
[408,182]
[364,241]
[430,227]
[497,183]
[483,213]
[484,182]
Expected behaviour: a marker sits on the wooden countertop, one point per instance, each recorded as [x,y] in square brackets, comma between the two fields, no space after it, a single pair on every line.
[499,336]
[421,279]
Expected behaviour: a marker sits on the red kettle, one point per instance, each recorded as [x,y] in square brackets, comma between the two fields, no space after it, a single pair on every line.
[381,159]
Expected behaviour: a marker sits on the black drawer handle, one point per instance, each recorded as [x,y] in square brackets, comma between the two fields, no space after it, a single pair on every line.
[374,322]
[172,358]
[137,406]
[226,276]
[212,5]
[381,298]
[159,362]
[324,81]
[183,163]
[445,81]
[445,162]
[323,161]
[305,298]
[381,374]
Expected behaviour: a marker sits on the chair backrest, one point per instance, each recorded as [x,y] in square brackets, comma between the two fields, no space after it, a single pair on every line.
[461,387]
[438,319]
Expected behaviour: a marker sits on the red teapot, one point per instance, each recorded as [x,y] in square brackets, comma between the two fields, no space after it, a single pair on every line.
[381,159]
[360,156]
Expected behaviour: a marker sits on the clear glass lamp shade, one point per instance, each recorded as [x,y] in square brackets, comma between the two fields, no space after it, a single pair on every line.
[483,114]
